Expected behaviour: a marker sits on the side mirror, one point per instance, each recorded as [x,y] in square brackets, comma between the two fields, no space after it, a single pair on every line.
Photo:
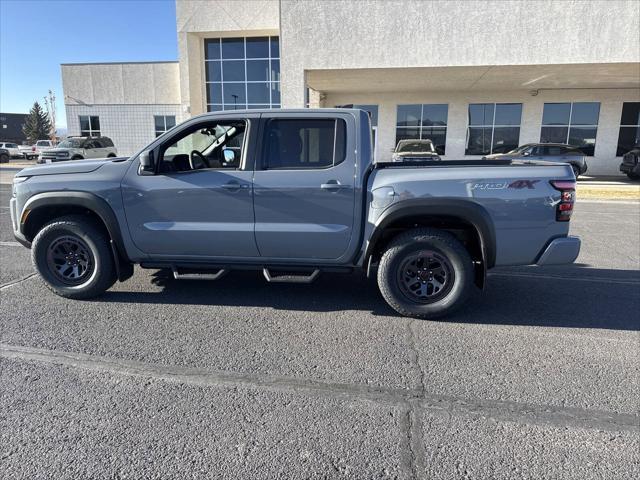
[146,161]
[229,155]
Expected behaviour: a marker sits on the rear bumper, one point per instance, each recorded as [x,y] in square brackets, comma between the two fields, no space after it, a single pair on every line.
[560,251]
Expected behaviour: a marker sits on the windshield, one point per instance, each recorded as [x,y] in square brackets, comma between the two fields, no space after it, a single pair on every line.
[416,146]
[520,149]
[71,143]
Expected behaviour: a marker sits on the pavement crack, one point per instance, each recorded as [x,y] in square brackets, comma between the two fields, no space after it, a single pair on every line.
[16,282]
[413,425]
[414,402]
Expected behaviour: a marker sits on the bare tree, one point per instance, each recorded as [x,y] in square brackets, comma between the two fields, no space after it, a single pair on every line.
[50,105]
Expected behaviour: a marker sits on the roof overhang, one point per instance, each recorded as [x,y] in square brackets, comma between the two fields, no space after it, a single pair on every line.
[476,78]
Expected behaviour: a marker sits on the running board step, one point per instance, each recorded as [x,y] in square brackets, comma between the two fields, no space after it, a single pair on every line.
[196,275]
[290,277]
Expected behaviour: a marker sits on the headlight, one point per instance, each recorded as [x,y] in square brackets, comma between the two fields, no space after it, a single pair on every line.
[16,181]
[62,154]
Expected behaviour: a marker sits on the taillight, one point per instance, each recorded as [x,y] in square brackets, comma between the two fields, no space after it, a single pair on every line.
[567,191]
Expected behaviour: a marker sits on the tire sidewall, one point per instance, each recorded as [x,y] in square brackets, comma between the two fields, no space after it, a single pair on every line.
[462,269]
[103,265]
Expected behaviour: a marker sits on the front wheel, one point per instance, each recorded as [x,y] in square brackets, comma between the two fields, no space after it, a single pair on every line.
[73,257]
[633,176]
[425,273]
[4,158]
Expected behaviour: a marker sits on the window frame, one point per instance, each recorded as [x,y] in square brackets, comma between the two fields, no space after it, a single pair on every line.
[261,164]
[624,125]
[164,122]
[571,125]
[164,144]
[272,81]
[91,131]
[492,126]
[420,127]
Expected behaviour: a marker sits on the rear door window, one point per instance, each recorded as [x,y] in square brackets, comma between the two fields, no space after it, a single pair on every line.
[293,144]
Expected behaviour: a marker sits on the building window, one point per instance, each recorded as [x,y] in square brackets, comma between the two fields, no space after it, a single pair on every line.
[163,123]
[571,123]
[89,126]
[426,122]
[629,135]
[242,73]
[493,128]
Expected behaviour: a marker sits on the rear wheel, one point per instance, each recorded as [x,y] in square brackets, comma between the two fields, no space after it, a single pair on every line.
[633,176]
[73,257]
[425,273]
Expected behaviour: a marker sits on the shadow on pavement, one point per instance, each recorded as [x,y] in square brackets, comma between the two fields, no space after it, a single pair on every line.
[571,297]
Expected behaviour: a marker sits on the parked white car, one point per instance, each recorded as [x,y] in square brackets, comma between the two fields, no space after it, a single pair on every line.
[27,151]
[78,148]
[42,146]
[12,148]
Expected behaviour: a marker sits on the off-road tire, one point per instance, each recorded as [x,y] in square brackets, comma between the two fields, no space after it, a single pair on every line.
[77,157]
[103,273]
[409,244]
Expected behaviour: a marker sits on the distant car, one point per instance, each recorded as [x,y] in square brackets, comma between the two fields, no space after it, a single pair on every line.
[4,155]
[27,151]
[12,148]
[550,152]
[631,163]
[414,151]
[42,146]
[78,148]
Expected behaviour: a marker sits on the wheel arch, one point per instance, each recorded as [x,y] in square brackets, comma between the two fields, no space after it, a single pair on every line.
[468,221]
[44,207]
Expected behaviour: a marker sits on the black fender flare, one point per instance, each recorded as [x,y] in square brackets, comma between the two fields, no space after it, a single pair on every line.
[468,211]
[91,202]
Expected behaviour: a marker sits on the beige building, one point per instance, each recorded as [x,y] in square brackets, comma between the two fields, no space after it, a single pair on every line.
[476,77]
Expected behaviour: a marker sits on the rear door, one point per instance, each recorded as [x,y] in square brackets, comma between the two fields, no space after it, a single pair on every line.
[304,185]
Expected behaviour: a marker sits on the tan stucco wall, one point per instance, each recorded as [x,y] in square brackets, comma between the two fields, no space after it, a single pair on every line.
[409,33]
[197,20]
[154,83]
[604,161]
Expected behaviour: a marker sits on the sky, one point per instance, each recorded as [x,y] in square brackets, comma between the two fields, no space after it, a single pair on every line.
[36,36]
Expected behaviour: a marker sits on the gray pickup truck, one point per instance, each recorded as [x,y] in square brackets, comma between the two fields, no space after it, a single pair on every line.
[292,193]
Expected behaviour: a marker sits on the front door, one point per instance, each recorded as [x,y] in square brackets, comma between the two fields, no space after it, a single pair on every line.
[304,186]
[199,203]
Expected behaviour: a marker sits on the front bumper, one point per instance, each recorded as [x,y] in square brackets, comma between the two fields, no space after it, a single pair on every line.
[15,224]
[560,251]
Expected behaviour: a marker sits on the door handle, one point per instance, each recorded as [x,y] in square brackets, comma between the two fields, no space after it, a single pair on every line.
[331,185]
[234,186]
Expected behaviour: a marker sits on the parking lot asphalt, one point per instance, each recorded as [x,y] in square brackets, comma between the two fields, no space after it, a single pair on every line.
[537,377]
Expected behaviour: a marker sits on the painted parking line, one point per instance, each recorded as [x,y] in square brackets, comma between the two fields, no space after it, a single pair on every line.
[566,277]
[10,244]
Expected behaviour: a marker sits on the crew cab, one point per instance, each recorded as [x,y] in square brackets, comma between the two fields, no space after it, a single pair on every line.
[292,193]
